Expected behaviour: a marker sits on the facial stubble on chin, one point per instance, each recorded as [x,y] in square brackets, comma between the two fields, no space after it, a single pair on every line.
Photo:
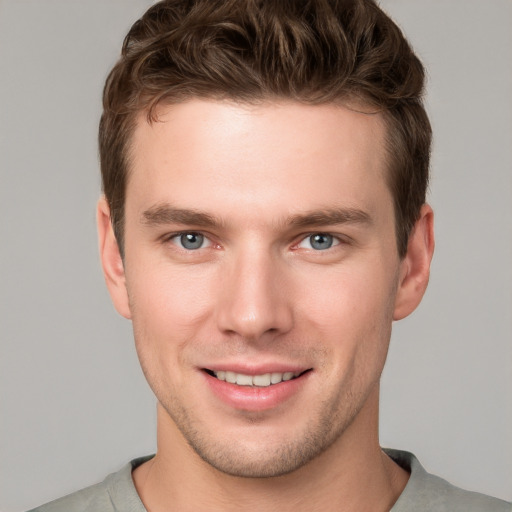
[277,459]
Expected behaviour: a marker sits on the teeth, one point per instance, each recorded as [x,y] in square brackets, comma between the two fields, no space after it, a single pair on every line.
[230,377]
[263,381]
[243,380]
[275,378]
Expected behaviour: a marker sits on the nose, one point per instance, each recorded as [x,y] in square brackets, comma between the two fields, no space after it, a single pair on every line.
[253,301]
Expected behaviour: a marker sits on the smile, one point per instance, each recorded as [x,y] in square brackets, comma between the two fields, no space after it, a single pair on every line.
[256,392]
[264,380]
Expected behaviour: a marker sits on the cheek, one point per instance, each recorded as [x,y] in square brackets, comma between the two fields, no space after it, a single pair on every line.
[169,300]
[349,297]
[168,310]
[350,313]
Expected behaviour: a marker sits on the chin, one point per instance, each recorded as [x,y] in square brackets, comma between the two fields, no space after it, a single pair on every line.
[256,450]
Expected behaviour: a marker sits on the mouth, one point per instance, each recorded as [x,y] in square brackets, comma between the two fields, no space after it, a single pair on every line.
[257,389]
[263,380]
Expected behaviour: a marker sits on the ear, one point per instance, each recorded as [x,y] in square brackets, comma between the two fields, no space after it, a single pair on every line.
[111,261]
[415,266]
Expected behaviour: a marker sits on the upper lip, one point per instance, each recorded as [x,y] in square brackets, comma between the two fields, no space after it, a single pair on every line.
[260,369]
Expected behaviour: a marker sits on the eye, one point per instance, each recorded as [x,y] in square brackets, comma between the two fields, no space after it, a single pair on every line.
[191,241]
[319,242]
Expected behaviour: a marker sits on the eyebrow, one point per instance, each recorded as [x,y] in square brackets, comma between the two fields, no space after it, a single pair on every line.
[162,214]
[333,216]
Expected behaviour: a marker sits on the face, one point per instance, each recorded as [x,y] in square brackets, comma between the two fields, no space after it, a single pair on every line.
[261,275]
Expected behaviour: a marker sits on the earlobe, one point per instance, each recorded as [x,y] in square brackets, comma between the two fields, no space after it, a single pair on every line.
[415,267]
[111,261]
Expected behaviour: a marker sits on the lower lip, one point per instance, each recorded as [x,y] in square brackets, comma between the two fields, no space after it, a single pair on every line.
[256,399]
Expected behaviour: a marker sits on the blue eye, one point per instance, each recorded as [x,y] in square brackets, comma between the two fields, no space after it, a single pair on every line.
[319,242]
[191,241]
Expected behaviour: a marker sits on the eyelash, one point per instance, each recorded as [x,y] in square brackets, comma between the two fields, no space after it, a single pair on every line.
[335,240]
[179,235]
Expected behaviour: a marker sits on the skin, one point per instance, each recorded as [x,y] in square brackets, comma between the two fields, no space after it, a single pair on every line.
[258,294]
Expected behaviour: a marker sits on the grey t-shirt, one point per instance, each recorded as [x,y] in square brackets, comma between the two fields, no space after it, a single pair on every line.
[423,493]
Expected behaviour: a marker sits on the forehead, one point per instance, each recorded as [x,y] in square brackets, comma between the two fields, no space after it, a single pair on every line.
[220,154]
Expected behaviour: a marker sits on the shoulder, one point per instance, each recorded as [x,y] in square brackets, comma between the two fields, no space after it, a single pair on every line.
[117,492]
[95,497]
[425,492]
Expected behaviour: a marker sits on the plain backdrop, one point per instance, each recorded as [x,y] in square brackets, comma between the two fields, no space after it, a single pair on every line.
[74,405]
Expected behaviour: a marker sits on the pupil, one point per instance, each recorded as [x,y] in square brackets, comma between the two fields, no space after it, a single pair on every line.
[321,241]
[191,240]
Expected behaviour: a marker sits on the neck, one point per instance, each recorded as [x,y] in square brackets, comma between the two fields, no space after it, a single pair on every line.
[351,475]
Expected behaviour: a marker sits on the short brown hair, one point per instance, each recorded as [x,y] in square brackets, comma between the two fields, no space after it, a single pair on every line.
[311,51]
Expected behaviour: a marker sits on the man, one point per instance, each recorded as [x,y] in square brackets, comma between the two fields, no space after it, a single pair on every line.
[264,167]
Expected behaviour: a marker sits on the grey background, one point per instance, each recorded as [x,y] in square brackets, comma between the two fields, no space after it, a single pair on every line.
[74,404]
